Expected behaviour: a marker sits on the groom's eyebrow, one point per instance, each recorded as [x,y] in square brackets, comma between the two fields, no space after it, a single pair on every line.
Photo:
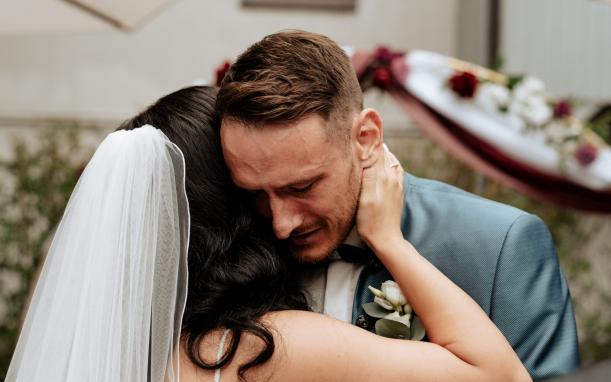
[295,183]
[303,182]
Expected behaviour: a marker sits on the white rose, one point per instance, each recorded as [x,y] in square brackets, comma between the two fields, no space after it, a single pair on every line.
[491,96]
[527,87]
[533,109]
[393,293]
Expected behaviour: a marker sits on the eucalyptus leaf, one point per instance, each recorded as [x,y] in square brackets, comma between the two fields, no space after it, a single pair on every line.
[403,319]
[385,304]
[374,310]
[417,328]
[392,329]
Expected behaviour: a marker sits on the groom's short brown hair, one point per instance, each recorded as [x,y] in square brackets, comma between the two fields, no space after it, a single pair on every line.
[287,76]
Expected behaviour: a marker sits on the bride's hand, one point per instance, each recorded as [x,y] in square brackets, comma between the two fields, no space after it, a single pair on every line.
[378,218]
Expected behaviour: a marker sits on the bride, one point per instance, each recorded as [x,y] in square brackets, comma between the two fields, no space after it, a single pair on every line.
[154,209]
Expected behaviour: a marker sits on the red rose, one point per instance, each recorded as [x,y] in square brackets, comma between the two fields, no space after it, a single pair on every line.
[382,77]
[221,71]
[586,154]
[384,55]
[562,109]
[464,84]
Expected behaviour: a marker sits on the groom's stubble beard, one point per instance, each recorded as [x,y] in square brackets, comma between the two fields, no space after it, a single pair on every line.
[346,219]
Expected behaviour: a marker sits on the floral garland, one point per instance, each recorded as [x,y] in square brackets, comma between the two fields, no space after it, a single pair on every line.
[385,70]
[521,98]
[524,98]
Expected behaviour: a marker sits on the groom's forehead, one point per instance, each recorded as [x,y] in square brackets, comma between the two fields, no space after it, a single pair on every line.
[259,184]
[304,138]
[279,175]
[253,169]
[277,156]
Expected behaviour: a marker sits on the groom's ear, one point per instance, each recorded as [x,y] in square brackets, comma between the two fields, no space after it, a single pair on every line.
[367,137]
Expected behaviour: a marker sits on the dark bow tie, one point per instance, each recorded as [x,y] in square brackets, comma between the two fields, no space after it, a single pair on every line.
[352,254]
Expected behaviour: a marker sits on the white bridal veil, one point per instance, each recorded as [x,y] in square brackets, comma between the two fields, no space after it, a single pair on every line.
[109,302]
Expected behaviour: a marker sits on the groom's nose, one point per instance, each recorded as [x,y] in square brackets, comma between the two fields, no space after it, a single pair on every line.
[285,216]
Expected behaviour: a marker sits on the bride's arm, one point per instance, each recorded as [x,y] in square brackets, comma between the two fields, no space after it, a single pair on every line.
[452,319]
[465,345]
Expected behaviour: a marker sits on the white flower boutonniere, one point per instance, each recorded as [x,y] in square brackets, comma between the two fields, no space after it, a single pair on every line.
[395,316]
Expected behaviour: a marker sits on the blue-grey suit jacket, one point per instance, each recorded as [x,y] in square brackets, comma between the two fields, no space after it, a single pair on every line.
[504,258]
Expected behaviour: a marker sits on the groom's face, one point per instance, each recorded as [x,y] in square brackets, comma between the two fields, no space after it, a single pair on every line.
[301,178]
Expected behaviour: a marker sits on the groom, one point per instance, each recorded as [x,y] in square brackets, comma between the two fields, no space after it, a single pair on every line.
[296,137]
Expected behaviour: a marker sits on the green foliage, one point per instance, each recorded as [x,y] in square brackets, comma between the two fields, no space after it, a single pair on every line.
[601,124]
[498,64]
[36,184]
[374,310]
[596,348]
[392,329]
[512,81]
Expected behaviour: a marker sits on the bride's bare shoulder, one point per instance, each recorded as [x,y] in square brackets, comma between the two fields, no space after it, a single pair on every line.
[306,347]
[314,347]
[297,329]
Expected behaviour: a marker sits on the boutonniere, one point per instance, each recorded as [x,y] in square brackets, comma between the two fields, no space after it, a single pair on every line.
[396,318]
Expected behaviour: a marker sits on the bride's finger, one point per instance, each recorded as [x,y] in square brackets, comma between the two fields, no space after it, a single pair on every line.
[392,159]
[387,159]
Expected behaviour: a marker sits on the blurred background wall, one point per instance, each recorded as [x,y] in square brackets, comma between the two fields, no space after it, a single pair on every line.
[567,43]
[92,71]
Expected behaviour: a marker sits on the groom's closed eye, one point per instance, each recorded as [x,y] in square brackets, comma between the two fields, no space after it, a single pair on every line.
[301,188]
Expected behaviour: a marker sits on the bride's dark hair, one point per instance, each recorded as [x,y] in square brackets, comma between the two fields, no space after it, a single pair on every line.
[235,272]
